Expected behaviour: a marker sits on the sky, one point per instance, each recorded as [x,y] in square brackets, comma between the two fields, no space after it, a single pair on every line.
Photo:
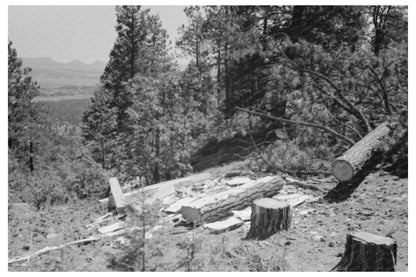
[66,33]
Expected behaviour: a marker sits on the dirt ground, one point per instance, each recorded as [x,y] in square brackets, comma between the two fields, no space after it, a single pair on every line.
[315,241]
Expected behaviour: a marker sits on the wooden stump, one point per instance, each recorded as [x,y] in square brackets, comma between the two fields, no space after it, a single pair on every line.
[368,252]
[268,216]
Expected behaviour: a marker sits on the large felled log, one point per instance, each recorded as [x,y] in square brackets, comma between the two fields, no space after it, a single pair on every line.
[368,252]
[345,167]
[268,217]
[214,207]
[162,190]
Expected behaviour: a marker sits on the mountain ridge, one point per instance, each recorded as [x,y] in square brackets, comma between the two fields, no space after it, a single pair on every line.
[49,73]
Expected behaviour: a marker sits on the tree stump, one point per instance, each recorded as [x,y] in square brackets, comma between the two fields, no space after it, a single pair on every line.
[268,216]
[368,252]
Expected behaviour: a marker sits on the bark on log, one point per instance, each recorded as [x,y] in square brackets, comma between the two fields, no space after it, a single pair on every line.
[268,217]
[368,252]
[345,167]
[215,207]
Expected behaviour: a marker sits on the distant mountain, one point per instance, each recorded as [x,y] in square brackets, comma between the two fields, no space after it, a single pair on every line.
[52,74]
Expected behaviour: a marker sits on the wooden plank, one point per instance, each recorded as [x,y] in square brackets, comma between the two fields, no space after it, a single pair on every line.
[244,215]
[111,228]
[117,195]
[224,225]
[176,207]
[237,181]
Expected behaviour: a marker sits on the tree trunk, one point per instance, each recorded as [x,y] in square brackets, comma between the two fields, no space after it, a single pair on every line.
[368,252]
[268,216]
[345,167]
[215,207]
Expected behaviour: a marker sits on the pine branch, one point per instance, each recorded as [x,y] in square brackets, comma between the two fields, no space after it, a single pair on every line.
[345,125]
[351,108]
[317,126]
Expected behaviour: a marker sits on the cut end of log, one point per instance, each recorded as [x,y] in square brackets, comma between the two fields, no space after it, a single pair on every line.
[269,203]
[268,217]
[342,170]
[191,214]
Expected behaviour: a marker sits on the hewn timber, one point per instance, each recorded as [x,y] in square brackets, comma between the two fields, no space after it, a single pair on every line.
[117,198]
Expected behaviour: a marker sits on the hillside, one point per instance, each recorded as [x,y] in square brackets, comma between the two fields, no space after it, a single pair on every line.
[314,242]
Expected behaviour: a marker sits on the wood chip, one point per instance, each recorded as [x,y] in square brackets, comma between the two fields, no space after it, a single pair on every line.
[244,215]
[111,228]
[293,199]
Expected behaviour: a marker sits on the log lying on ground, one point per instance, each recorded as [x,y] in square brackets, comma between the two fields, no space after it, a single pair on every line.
[162,190]
[345,167]
[214,207]
[368,252]
[268,217]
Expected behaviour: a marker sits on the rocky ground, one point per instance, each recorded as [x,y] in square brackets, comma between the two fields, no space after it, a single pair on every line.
[315,241]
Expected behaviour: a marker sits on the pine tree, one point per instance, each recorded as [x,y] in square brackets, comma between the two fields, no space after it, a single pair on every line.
[24,115]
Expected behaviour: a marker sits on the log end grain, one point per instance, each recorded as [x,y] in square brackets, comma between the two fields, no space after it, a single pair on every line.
[342,170]
[268,217]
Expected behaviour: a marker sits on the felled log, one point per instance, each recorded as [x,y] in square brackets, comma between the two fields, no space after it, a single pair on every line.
[215,207]
[161,190]
[368,252]
[268,217]
[345,167]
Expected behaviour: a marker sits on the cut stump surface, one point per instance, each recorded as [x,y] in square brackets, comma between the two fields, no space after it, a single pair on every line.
[268,217]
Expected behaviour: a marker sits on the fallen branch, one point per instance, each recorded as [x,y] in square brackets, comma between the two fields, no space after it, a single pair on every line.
[355,111]
[50,248]
[88,239]
[313,125]
[345,125]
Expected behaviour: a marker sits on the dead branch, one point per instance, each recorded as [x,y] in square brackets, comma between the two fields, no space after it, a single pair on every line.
[345,125]
[355,111]
[321,127]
